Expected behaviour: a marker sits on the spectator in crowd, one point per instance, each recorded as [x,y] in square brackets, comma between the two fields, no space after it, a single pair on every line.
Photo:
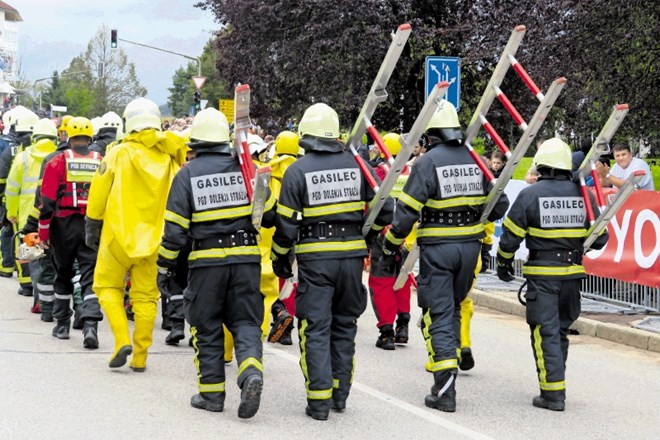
[497,163]
[624,167]
[532,175]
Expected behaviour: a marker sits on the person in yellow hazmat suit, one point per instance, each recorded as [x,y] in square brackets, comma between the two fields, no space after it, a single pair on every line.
[125,220]
[22,184]
[283,311]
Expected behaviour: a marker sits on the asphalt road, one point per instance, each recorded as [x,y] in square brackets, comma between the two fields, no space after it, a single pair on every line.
[52,389]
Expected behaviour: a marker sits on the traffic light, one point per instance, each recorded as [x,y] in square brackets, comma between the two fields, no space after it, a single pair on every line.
[198,97]
[113,38]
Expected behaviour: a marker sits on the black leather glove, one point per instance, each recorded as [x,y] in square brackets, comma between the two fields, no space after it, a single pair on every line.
[371,237]
[505,271]
[93,233]
[164,281]
[391,254]
[282,264]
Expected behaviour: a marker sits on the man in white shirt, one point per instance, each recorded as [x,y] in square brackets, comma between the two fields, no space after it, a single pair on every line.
[625,165]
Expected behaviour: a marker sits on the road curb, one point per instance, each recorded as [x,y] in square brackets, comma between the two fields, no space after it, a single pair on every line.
[612,332]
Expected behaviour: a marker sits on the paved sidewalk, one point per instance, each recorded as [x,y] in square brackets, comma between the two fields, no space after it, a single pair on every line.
[615,324]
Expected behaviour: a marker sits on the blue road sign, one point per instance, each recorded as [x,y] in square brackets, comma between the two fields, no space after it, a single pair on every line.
[444,69]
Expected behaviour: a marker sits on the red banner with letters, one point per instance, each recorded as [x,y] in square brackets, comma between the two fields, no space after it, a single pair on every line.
[632,252]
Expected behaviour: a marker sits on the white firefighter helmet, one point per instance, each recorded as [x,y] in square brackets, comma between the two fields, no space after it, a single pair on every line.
[24,119]
[554,153]
[44,128]
[112,120]
[96,125]
[320,120]
[141,114]
[445,122]
[256,144]
[210,125]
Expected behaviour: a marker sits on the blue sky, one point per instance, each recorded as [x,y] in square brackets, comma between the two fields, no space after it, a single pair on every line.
[55,31]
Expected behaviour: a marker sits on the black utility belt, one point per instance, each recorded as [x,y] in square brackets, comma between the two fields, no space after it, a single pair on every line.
[323,230]
[237,239]
[460,218]
[572,257]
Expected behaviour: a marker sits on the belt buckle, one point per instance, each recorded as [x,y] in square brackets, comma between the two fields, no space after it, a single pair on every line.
[242,237]
[323,229]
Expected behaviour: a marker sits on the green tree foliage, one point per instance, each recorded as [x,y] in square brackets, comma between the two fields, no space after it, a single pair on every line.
[295,52]
[84,91]
[183,89]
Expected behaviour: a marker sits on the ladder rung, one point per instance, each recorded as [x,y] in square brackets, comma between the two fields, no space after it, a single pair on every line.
[510,108]
[496,137]
[529,82]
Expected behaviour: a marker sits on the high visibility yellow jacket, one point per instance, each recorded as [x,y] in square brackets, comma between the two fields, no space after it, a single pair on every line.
[23,179]
[278,166]
[129,190]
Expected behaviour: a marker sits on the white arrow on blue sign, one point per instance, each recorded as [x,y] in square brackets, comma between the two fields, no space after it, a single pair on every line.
[444,69]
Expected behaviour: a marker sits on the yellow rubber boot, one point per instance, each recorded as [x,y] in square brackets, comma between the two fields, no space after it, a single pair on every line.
[112,302]
[229,345]
[467,310]
[145,318]
[270,288]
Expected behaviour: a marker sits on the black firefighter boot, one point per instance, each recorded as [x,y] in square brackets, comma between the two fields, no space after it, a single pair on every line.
[286,336]
[176,333]
[443,393]
[485,257]
[552,400]
[401,334]
[281,320]
[386,338]
[214,402]
[90,335]
[61,330]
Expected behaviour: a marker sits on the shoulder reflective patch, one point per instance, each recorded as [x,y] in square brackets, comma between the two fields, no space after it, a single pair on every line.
[333,186]
[562,212]
[460,180]
[220,190]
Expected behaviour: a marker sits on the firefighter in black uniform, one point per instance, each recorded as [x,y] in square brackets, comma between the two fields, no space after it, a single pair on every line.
[550,216]
[64,194]
[111,123]
[447,190]
[320,211]
[208,201]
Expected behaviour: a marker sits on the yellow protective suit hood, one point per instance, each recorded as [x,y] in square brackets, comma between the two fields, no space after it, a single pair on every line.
[130,188]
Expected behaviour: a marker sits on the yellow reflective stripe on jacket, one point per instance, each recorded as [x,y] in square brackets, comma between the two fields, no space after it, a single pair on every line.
[279,249]
[457,201]
[553,270]
[376,227]
[392,239]
[221,214]
[287,212]
[34,212]
[173,217]
[250,362]
[164,252]
[557,233]
[450,231]
[211,387]
[414,204]
[507,255]
[225,252]
[270,202]
[514,228]
[331,246]
[336,208]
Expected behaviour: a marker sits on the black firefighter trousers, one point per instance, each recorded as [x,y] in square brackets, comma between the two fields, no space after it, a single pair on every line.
[228,295]
[552,306]
[446,273]
[329,300]
[67,239]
